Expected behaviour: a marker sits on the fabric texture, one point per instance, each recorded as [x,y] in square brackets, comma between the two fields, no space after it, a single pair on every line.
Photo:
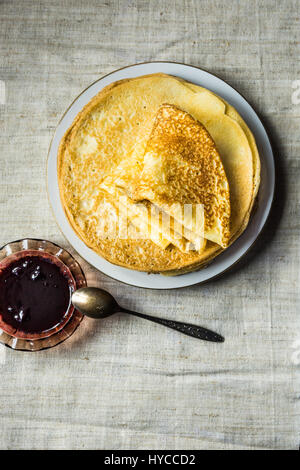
[125,383]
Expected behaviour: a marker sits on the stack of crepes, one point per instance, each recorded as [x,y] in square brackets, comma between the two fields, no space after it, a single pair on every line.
[157,174]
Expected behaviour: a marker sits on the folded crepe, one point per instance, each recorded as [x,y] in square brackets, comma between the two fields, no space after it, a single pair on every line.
[181,171]
[153,224]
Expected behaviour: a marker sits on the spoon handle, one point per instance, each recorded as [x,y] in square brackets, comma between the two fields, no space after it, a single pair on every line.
[186,328]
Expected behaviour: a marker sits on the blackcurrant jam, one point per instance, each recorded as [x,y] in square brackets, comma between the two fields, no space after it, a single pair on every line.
[35,294]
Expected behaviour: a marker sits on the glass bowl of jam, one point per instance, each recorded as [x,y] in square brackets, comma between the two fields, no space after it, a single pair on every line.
[37,279]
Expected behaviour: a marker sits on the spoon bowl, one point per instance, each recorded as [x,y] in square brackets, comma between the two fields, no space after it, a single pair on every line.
[94,302]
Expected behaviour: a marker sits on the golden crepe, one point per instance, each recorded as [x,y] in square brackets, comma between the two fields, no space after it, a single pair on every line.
[180,172]
[115,128]
[149,222]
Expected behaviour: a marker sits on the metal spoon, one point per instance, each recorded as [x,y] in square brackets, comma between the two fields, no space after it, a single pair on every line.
[97,303]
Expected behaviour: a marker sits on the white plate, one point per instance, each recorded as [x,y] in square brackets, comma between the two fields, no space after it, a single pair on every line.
[265,196]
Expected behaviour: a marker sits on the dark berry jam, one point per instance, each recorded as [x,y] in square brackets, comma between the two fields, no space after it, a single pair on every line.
[35,294]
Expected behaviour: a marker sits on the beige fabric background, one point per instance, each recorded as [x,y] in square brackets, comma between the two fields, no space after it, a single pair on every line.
[125,383]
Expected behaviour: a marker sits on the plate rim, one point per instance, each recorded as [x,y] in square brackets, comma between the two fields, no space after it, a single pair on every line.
[266,214]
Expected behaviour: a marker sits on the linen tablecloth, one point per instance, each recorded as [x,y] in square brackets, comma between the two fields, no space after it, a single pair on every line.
[125,383]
